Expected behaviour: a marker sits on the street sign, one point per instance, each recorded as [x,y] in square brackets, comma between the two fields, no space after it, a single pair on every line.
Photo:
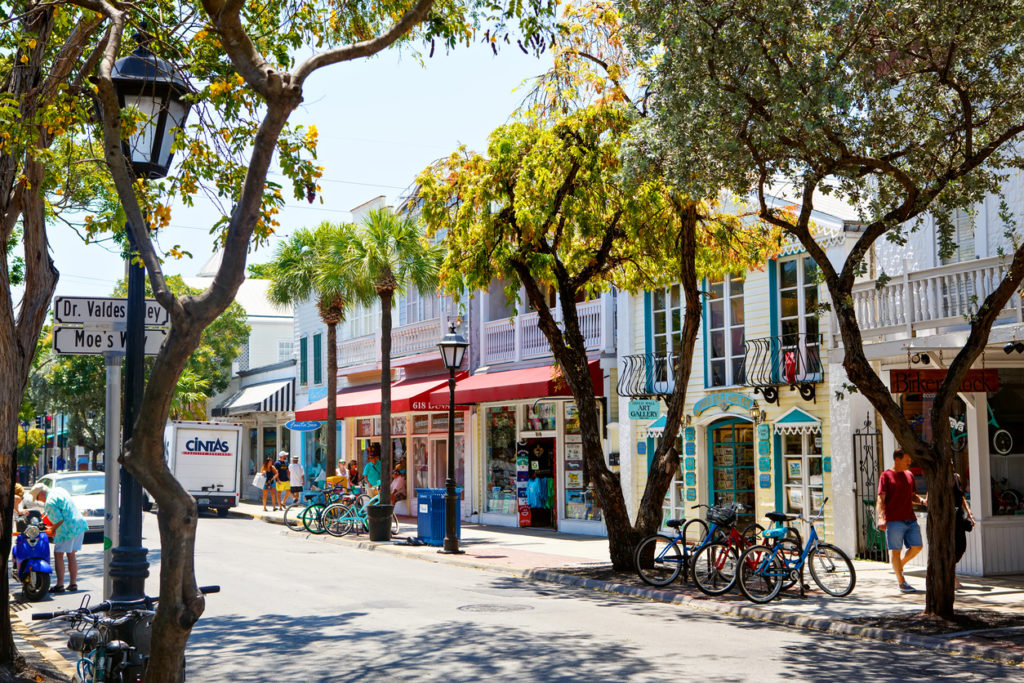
[97,340]
[84,310]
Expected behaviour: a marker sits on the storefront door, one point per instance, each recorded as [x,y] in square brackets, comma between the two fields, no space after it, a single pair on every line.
[731,459]
[541,491]
[438,462]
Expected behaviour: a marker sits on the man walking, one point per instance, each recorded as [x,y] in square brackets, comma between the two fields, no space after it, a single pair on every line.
[371,471]
[897,494]
[298,478]
[283,484]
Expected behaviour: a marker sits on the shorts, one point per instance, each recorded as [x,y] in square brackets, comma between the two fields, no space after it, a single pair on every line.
[900,534]
[296,490]
[282,486]
[71,545]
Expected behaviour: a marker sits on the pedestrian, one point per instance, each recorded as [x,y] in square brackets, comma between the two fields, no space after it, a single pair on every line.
[371,470]
[897,494]
[283,484]
[964,522]
[397,486]
[269,483]
[353,473]
[297,478]
[60,463]
[69,527]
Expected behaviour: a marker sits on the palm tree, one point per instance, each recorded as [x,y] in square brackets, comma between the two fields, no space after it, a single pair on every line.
[301,270]
[390,255]
[189,401]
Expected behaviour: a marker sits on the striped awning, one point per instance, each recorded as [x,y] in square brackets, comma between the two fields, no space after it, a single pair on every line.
[277,396]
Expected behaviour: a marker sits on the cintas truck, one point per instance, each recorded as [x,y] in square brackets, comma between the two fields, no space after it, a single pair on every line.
[204,457]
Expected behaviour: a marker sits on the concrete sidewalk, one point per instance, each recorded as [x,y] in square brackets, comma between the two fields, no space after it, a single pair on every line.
[583,561]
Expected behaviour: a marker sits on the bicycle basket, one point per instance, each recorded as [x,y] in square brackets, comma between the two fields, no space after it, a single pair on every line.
[722,515]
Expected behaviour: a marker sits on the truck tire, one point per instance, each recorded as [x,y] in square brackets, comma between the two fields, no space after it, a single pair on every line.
[222,512]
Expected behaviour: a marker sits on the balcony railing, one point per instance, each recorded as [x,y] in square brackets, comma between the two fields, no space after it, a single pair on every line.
[792,359]
[520,337]
[929,299]
[406,340]
[646,374]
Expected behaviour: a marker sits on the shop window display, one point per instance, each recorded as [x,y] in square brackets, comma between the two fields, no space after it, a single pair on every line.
[580,498]
[540,417]
[802,473]
[500,470]
[1006,443]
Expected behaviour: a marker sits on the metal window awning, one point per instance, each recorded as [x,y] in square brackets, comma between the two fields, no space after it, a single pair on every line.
[657,428]
[797,421]
[269,397]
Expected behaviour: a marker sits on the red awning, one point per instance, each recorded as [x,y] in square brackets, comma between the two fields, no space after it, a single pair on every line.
[511,385]
[406,396]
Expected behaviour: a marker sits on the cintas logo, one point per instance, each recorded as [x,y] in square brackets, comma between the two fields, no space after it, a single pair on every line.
[214,446]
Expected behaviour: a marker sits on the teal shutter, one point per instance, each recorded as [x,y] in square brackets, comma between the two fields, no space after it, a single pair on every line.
[318,374]
[303,361]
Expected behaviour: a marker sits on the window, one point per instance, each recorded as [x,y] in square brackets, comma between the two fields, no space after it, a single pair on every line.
[802,473]
[303,361]
[285,349]
[666,325]
[724,325]
[798,320]
[962,236]
[674,506]
[417,307]
[318,359]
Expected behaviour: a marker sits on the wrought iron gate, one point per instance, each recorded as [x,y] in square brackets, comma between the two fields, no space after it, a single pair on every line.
[867,453]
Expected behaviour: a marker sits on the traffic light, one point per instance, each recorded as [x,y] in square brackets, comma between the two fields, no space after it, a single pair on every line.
[39,421]
[49,422]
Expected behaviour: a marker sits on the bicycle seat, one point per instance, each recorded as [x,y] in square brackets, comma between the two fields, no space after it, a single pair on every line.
[115,646]
[780,517]
[675,523]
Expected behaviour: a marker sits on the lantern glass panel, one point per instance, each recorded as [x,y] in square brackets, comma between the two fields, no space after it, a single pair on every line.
[142,139]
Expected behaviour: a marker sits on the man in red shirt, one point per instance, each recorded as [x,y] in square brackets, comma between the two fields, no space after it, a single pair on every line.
[897,494]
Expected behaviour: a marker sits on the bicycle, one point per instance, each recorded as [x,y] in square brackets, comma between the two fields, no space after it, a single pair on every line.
[764,570]
[112,648]
[659,559]
[1002,440]
[713,568]
[340,519]
[293,514]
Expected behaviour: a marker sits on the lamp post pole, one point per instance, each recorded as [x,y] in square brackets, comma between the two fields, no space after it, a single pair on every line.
[452,348]
[128,564]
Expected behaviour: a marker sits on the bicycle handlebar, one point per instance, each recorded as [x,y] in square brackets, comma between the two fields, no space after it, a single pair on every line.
[109,605]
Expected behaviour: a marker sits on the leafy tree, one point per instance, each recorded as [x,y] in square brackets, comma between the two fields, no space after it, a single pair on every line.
[251,64]
[552,208]
[29,442]
[387,256]
[302,270]
[899,107]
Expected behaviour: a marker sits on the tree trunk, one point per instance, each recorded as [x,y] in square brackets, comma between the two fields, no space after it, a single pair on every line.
[386,296]
[941,576]
[331,459]
[665,462]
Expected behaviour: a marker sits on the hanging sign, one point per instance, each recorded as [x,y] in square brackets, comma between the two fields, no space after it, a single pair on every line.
[765,481]
[928,381]
[764,432]
[644,409]
[299,426]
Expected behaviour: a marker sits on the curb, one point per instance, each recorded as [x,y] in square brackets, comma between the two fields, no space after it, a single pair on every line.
[44,651]
[934,643]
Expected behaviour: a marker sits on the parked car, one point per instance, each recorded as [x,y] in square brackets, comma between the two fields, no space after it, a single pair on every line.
[86,489]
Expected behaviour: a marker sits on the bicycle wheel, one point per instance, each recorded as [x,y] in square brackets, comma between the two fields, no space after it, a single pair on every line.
[832,570]
[658,560]
[714,568]
[789,554]
[311,519]
[761,573]
[694,532]
[336,520]
[292,516]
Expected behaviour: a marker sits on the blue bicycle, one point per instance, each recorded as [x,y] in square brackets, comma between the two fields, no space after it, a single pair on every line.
[765,570]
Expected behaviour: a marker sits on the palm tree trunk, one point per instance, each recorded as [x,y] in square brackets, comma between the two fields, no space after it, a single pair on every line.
[385,396]
[331,460]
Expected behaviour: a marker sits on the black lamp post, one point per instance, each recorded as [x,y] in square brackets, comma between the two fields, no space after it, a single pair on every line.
[153,87]
[453,348]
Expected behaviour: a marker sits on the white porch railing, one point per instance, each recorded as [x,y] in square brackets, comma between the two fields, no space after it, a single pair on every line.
[416,337]
[358,351]
[929,299]
[520,337]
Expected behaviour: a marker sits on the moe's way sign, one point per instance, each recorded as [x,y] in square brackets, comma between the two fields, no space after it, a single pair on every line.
[928,381]
[87,341]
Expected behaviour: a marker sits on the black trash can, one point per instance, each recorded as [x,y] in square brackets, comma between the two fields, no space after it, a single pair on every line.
[379,519]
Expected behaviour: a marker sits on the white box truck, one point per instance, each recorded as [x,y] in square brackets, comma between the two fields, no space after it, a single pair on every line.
[204,458]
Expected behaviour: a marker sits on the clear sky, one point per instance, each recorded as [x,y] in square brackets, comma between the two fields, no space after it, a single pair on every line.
[381,121]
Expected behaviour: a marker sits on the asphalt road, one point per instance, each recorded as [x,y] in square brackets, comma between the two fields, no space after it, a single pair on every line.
[293,609]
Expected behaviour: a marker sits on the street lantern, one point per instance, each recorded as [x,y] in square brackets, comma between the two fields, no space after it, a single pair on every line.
[452,348]
[154,87]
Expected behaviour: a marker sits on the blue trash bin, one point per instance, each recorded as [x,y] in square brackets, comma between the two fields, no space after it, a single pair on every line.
[430,517]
